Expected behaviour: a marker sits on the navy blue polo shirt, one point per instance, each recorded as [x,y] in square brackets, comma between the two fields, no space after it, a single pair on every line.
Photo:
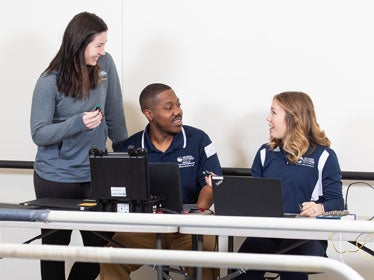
[192,149]
[315,177]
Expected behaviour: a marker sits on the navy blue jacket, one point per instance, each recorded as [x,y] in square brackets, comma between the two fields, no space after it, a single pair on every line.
[315,177]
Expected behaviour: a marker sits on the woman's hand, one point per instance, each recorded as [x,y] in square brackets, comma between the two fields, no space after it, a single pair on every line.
[92,119]
[311,209]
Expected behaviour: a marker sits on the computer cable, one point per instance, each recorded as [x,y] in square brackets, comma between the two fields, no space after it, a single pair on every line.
[349,186]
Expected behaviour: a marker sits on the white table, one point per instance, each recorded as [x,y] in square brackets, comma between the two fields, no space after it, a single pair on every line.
[96,227]
[304,228]
[91,226]
[290,228]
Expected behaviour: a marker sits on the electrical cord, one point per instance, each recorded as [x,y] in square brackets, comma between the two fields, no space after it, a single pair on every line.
[359,245]
[349,186]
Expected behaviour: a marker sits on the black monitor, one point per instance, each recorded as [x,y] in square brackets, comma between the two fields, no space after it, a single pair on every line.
[165,182]
[119,176]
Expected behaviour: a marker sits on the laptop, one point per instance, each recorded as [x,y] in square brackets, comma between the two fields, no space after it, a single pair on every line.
[247,196]
[61,204]
[119,176]
[165,182]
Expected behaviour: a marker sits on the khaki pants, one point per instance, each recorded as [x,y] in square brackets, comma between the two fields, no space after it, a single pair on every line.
[173,241]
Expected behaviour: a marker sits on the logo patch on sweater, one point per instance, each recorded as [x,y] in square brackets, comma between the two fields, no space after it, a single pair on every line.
[103,76]
[306,161]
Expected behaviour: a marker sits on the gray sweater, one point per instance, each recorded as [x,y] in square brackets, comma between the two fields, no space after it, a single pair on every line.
[58,130]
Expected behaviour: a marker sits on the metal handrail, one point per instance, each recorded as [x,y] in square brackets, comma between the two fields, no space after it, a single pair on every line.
[178,257]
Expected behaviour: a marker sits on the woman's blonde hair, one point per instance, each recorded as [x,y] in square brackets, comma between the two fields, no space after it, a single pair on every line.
[303,131]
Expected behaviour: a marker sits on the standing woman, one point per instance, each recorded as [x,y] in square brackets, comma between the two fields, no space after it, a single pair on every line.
[77,103]
[298,153]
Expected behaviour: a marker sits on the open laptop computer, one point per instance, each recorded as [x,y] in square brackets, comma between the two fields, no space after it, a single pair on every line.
[114,177]
[165,182]
[247,196]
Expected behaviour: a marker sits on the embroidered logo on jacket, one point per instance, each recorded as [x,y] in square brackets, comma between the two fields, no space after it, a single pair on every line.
[186,161]
[305,161]
[103,76]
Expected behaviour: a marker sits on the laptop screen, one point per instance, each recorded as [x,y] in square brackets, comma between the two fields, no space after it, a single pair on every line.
[119,176]
[165,182]
[247,196]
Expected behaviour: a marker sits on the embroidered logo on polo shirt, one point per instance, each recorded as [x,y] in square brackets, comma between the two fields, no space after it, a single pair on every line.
[306,161]
[186,161]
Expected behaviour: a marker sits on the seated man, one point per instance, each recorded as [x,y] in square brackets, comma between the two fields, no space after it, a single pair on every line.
[167,140]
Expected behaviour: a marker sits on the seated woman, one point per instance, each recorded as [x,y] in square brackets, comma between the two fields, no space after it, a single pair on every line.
[298,153]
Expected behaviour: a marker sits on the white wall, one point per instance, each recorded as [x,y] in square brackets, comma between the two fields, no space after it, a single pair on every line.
[225,59]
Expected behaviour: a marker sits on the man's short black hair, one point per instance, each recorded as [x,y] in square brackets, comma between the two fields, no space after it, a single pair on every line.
[149,93]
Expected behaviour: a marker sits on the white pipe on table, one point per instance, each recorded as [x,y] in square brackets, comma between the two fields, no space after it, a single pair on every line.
[305,224]
[177,257]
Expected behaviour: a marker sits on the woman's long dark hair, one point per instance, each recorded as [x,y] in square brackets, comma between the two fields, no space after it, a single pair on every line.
[74,77]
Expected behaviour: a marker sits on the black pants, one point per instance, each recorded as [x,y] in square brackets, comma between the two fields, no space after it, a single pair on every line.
[274,245]
[56,269]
